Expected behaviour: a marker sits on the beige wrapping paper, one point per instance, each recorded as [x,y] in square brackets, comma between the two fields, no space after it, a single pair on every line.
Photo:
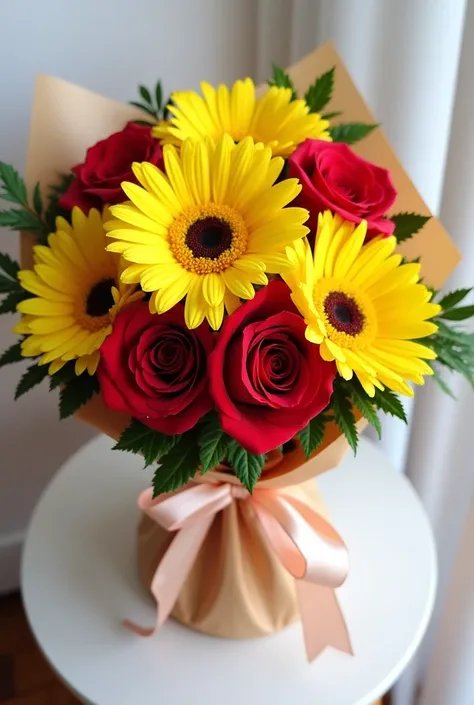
[237,588]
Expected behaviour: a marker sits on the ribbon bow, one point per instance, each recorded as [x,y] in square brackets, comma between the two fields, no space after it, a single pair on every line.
[307,545]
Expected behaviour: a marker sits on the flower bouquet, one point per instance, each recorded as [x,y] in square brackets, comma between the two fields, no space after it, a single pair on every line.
[217,282]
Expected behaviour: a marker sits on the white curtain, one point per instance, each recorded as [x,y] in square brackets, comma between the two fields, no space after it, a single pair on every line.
[412,60]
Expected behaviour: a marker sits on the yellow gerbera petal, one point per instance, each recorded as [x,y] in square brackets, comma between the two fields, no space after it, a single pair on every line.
[55,366]
[274,119]
[81,365]
[363,306]
[73,280]
[240,285]
[231,301]
[214,315]
[195,307]
[175,175]
[174,292]
[213,289]
[232,225]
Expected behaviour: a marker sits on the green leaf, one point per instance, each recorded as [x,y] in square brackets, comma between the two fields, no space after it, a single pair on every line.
[159,96]
[341,407]
[138,438]
[442,384]
[453,334]
[157,445]
[166,111]
[133,437]
[145,94]
[331,116]
[76,393]
[178,466]
[366,406]
[457,314]
[246,466]
[144,122]
[34,375]
[454,297]
[13,184]
[11,301]
[145,108]
[53,210]
[454,360]
[9,266]
[7,285]
[319,93]
[281,79]
[20,220]
[212,443]
[388,402]
[12,354]
[350,132]
[408,224]
[63,376]
[37,200]
[312,435]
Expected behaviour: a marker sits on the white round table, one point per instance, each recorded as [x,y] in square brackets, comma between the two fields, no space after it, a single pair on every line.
[79,581]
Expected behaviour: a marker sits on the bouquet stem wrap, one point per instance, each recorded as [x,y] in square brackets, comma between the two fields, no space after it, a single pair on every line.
[238,565]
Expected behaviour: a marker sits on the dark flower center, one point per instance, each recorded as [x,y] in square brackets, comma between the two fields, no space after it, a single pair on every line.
[100,299]
[343,313]
[209,237]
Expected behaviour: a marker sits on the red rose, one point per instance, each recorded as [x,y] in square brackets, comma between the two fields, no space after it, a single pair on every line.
[335,178]
[154,368]
[266,379]
[108,163]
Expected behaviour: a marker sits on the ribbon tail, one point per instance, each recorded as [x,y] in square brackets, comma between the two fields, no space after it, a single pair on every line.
[172,571]
[323,622]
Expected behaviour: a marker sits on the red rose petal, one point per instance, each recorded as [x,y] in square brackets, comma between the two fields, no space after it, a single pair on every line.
[334,177]
[259,404]
[107,164]
[153,368]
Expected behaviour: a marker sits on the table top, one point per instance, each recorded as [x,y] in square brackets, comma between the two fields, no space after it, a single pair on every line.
[79,581]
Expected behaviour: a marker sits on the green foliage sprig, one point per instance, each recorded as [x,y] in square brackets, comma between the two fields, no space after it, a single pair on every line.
[33,376]
[351,132]
[320,92]
[26,217]
[282,80]
[453,346]
[76,392]
[181,456]
[152,103]
[408,224]
[348,398]
[312,435]
[10,287]
[34,218]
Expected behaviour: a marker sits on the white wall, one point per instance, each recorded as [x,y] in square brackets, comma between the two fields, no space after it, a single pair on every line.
[108,46]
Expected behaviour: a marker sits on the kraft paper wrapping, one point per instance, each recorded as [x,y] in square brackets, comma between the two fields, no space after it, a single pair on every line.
[237,588]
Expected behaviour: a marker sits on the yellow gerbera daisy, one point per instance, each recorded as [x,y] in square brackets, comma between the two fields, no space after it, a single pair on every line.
[363,306]
[208,230]
[274,119]
[78,292]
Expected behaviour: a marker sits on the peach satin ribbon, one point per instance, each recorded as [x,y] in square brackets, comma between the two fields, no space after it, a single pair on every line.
[307,545]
